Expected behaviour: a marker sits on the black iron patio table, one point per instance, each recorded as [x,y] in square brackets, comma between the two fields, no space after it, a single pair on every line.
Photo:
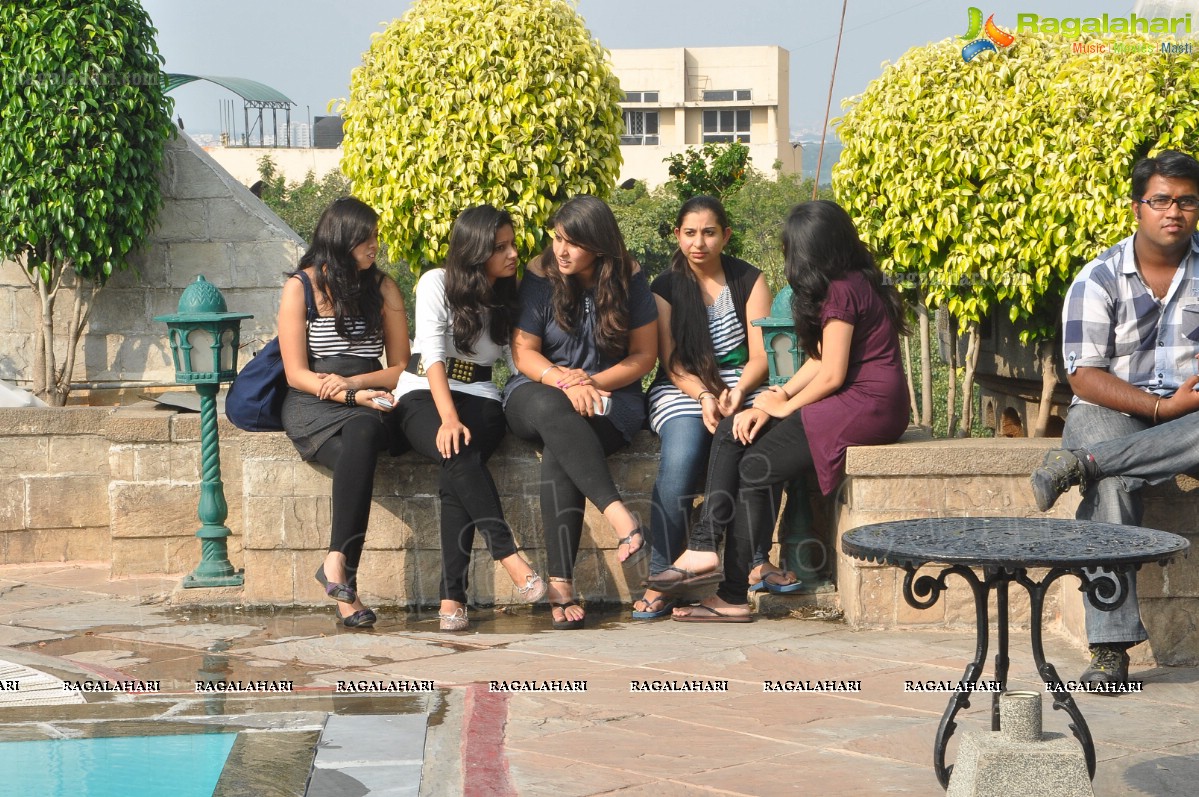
[1004,549]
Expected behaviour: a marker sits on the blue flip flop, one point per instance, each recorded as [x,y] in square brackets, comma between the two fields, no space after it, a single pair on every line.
[776,589]
[667,607]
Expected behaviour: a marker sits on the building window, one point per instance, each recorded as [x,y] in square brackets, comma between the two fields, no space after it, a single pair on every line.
[640,127]
[641,96]
[728,95]
[724,126]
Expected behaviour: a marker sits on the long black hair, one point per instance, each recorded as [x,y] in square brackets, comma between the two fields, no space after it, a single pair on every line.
[468,292]
[693,352]
[820,244]
[354,293]
[589,223]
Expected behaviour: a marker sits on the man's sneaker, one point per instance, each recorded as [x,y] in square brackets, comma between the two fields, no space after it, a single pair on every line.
[1109,665]
[1059,471]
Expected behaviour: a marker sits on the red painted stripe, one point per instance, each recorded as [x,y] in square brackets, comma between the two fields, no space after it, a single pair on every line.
[484,765]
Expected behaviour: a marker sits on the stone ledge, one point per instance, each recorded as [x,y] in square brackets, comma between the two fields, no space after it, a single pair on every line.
[916,454]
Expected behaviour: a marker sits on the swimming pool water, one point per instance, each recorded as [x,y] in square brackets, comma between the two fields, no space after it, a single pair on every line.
[186,765]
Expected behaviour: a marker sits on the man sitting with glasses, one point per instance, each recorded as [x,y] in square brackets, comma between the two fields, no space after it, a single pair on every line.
[1130,336]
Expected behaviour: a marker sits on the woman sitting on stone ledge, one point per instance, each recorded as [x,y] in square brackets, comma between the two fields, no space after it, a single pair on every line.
[850,391]
[334,372]
[711,363]
[450,409]
[585,336]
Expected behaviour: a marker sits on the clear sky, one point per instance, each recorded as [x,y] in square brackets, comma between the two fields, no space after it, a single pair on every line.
[306,48]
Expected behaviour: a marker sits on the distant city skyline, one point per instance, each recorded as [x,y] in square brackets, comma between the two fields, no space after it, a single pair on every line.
[307,48]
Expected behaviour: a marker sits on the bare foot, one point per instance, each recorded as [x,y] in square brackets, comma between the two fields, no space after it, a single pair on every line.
[698,561]
[636,541]
[772,575]
[562,591]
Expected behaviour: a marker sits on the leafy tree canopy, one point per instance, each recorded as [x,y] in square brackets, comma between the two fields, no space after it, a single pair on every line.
[990,183]
[85,118]
[463,102]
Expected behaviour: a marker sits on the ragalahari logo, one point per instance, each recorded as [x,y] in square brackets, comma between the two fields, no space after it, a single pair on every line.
[991,35]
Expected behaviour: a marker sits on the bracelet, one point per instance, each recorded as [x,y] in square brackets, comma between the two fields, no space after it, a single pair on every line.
[1156,407]
[351,397]
[546,371]
[700,397]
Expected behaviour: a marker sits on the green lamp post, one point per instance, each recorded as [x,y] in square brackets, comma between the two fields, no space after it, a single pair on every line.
[204,339]
[803,552]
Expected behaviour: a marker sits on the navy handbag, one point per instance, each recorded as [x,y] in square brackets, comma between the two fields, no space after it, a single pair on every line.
[254,402]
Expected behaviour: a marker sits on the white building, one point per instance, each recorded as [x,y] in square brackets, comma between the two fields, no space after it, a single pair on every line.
[688,96]
[674,99]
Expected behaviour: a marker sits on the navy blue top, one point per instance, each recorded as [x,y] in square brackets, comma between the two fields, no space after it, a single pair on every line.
[578,349]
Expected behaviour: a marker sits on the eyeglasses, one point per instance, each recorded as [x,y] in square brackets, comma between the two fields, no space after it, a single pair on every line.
[1185,203]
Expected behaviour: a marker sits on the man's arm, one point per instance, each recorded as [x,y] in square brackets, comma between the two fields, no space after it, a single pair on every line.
[1097,386]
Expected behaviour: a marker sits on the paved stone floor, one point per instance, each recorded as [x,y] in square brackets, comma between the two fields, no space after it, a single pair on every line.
[72,622]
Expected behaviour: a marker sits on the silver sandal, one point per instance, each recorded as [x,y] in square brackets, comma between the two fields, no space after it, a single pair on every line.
[533,590]
[454,622]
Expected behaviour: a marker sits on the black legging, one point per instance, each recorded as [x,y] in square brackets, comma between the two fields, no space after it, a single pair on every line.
[361,439]
[745,486]
[572,466]
[469,498]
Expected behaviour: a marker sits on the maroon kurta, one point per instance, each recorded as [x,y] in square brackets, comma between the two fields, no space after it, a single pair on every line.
[871,408]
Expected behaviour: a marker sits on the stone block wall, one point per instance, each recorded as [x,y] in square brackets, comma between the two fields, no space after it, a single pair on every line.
[210,224]
[107,484]
[288,506]
[989,478]
[122,484]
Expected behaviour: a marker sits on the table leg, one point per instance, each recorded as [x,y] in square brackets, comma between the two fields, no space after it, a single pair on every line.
[1062,699]
[933,587]
[1001,640]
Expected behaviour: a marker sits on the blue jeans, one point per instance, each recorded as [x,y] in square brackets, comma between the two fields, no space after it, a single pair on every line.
[1113,499]
[683,460]
[1153,456]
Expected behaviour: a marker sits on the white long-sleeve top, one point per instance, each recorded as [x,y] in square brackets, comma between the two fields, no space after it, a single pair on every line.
[434,340]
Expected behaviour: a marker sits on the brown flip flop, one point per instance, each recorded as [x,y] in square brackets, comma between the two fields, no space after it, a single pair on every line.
[679,582]
[712,616]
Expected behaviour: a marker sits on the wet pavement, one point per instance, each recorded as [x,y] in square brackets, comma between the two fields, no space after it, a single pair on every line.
[625,708]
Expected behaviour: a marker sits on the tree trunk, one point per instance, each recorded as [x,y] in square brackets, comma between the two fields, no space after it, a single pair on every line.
[968,382]
[926,367]
[951,400]
[1045,349]
[45,385]
[907,369]
[51,382]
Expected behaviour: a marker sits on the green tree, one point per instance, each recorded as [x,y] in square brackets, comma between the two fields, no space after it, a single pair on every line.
[714,169]
[463,102]
[85,119]
[300,204]
[646,219]
[986,185]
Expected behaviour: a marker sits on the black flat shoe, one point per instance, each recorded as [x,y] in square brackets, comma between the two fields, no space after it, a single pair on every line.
[342,593]
[363,618]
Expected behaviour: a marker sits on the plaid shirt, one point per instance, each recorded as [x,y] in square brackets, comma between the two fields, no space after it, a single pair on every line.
[1111,320]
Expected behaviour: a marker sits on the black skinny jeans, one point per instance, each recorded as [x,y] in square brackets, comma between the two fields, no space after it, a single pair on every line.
[745,487]
[352,455]
[572,466]
[469,498]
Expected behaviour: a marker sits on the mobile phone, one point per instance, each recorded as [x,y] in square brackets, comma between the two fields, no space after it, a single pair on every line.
[603,405]
[384,401]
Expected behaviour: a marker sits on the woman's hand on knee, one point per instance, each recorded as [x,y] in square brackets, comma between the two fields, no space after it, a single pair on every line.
[452,437]
[585,399]
[748,424]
